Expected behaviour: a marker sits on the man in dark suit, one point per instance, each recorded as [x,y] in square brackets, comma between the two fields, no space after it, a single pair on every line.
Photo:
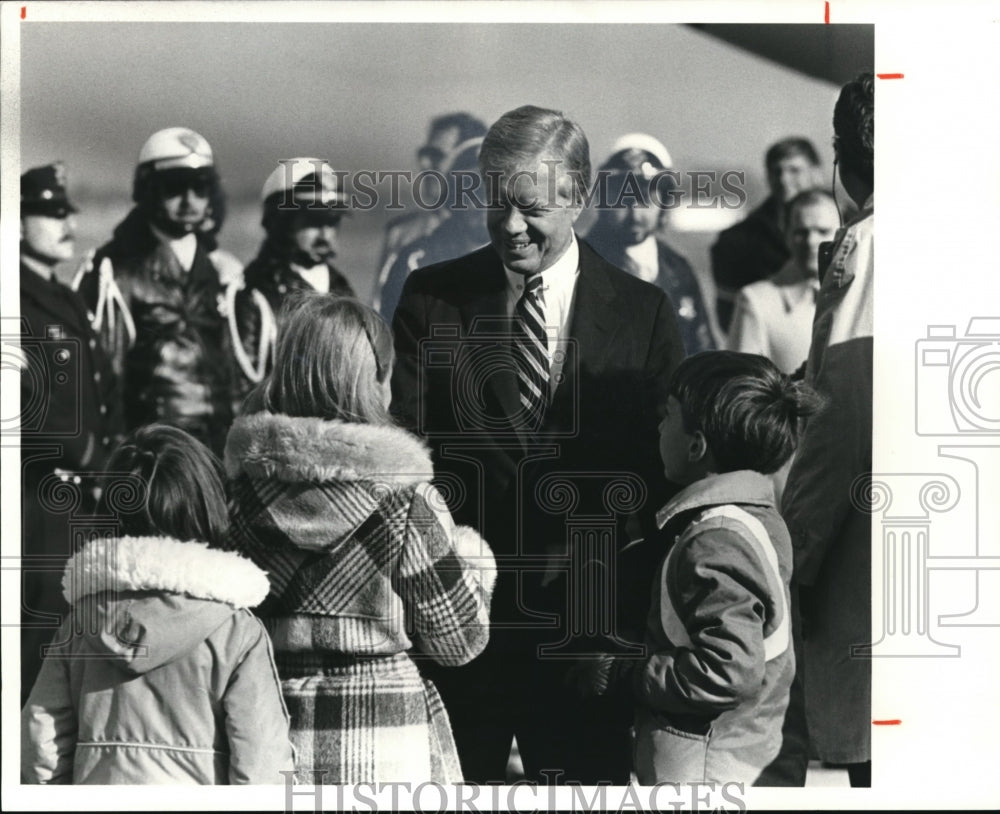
[69,409]
[755,248]
[535,369]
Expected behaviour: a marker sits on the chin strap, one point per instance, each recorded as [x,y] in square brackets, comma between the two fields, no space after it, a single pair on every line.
[268,332]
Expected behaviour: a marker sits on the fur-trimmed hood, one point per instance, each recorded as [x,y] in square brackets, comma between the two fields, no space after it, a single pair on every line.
[146,601]
[320,480]
[314,450]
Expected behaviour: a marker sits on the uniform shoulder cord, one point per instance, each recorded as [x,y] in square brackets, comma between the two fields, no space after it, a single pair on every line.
[109,297]
[268,332]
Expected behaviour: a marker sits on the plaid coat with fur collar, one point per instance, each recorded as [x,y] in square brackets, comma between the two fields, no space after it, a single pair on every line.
[366,569]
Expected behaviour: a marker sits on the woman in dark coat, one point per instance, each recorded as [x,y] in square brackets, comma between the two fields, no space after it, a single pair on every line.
[368,572]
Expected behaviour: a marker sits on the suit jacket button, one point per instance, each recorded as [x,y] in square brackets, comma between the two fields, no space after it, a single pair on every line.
[92,342]
[104,410]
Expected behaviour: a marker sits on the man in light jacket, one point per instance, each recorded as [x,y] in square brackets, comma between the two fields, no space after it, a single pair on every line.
[831,534]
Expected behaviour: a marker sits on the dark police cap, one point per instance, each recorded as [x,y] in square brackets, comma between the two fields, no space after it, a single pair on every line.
[43,192]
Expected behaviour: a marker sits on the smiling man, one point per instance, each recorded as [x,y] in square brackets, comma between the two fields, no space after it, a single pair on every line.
[533,365]
[155,296]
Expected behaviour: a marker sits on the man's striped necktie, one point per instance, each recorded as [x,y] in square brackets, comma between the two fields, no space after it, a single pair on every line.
[531,352]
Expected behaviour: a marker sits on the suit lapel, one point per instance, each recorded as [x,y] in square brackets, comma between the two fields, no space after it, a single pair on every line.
[594,325]
[484,315]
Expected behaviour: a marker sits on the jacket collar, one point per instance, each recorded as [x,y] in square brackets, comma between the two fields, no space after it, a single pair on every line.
[840,273]
[163,564]
[54,298]
[34,285]
[268,445]
[743,486]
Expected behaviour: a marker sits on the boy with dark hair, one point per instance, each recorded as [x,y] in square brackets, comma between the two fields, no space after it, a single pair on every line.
[713,687]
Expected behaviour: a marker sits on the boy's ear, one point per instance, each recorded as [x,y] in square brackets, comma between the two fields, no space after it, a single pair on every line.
[698,448]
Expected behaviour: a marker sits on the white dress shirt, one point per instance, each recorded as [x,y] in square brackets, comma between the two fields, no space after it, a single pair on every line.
[645,259]
[317,276]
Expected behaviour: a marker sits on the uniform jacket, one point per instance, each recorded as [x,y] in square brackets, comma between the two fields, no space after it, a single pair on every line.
[453,237]
[167,336]
[746,252]
[80,412]
[160,675]
[830,533]
[71,420]
[721,660]
[676,278]
[267,281]
[400,232]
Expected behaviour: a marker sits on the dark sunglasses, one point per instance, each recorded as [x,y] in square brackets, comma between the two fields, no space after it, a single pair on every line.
[173,185]
[306,217]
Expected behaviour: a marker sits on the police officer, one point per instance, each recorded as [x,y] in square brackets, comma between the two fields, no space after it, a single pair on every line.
[69,407]
[303,206]
[629,230]
[157,299]
[462,231]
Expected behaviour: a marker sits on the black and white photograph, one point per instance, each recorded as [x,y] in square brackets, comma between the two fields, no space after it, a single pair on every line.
[493,406]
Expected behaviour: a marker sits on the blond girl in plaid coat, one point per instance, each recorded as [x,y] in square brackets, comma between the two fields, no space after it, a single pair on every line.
[368,572]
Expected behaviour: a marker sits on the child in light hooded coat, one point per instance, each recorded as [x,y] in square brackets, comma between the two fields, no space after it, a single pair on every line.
[160,674]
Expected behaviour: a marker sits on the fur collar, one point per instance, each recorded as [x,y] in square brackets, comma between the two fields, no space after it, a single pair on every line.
[266,445]
[164,564]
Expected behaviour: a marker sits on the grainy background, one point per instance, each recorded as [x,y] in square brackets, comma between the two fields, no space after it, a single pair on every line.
[361,95]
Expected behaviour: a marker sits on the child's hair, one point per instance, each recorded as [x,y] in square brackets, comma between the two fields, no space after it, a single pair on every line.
[746,408]
[183,494]
[332,359]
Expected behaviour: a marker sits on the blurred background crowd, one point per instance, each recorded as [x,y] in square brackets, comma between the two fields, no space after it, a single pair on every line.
[362,97]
